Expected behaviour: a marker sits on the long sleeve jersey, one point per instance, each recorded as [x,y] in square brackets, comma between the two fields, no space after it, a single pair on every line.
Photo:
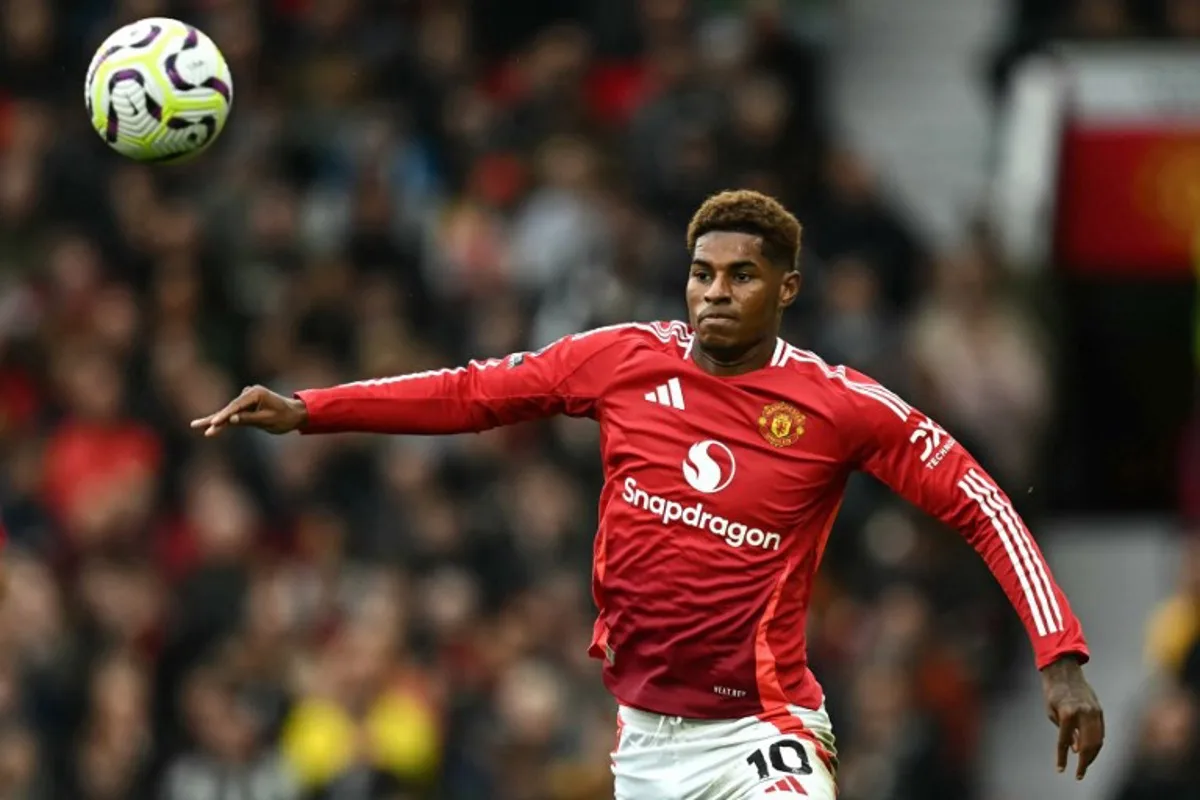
[718,500]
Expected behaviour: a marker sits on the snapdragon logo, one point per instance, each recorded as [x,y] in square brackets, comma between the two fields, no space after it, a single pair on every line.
[707,474]
[671,512]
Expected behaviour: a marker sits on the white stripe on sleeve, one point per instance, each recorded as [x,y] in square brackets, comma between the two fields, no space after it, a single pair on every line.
[1037,567]
[1015,560]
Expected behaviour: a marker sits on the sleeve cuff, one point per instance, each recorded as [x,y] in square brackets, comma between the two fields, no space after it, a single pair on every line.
[312,405]
[1079,652]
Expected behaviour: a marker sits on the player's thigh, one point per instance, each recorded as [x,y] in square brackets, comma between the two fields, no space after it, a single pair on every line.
[781,766]
[643,767]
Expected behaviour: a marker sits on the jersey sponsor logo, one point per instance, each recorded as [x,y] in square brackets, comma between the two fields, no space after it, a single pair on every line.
[672,512]
[781,424]
[704,472]
[935,443]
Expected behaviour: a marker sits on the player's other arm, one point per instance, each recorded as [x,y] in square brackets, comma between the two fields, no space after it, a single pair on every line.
[563,378]
[921,462]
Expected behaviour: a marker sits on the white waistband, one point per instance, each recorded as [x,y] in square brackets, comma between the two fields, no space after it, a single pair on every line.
[640,719]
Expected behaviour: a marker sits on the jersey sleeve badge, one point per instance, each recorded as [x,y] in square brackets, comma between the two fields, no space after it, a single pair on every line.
[781,424]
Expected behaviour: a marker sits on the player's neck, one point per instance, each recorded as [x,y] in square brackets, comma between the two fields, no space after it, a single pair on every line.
[725,363]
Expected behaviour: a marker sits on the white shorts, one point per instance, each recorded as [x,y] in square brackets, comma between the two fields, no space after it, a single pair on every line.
[790,752]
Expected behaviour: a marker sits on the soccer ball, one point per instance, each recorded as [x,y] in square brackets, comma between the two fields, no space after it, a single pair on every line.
[158,90]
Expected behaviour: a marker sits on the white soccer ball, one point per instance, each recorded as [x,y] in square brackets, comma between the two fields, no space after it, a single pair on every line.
[158,90]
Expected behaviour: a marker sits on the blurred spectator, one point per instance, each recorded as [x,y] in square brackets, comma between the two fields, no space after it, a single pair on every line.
[855,325]
[1174,628]
[230,758]
[1164,765]
[99,465]
[897,755]
[851,217]
[1182,18]
[363,722]
[19,770]
[980,366]
[112,757]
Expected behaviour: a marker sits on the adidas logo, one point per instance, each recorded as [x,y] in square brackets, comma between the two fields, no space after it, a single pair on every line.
[788,785]
[667,394]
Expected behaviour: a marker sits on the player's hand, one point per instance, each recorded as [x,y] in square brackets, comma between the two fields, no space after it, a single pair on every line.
[256,407]
[1073,707]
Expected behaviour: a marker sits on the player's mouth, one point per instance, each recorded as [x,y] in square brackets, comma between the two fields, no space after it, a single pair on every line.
[718,316]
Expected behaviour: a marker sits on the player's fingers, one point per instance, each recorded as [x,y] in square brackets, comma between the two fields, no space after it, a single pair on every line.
[246,400]
[231,420]
[222,417]
[213,423]
[1066,735]
[1091,739]
[251,418]
[216,420]
[205,421]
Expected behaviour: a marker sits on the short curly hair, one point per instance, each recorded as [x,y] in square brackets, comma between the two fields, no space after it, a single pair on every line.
[747,211]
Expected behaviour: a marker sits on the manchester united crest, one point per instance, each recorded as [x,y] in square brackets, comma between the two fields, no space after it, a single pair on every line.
[781,424]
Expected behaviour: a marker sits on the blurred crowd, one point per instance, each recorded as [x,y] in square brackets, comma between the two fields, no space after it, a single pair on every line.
[406,185]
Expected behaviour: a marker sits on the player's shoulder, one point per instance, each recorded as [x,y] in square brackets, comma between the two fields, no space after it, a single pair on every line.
[669,335]
[838,382]
[806,365]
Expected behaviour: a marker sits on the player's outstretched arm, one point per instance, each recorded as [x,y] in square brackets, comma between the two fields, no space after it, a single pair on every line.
[920,461]
[566,377]
[256,407]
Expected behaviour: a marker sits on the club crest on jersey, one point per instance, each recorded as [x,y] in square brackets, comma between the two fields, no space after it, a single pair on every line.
[781,424]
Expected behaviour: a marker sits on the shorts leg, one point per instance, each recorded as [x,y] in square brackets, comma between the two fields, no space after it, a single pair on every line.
[644,760]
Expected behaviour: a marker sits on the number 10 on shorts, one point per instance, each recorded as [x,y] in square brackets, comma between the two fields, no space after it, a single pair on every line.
[786,756]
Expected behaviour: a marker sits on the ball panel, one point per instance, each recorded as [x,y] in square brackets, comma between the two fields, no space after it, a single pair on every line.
[158,90]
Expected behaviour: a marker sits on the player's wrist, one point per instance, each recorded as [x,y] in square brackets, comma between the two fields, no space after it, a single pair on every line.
[299,411]
[1066,665]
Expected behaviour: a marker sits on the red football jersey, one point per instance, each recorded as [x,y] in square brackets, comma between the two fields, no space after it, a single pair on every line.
[719,496]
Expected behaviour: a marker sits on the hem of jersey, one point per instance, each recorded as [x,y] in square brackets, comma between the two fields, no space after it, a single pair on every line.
[758,711]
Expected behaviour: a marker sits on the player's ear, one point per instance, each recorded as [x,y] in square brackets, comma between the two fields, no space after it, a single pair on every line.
[789,289]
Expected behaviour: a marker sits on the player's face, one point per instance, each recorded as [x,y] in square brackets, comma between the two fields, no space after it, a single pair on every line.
[735,295]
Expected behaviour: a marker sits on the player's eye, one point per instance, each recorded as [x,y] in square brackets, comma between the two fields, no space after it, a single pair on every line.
[743,277]
[700,274]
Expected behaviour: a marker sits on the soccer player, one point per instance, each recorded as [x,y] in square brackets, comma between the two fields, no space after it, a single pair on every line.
[726,453]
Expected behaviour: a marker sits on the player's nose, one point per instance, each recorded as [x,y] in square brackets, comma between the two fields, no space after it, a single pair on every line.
[718,290]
